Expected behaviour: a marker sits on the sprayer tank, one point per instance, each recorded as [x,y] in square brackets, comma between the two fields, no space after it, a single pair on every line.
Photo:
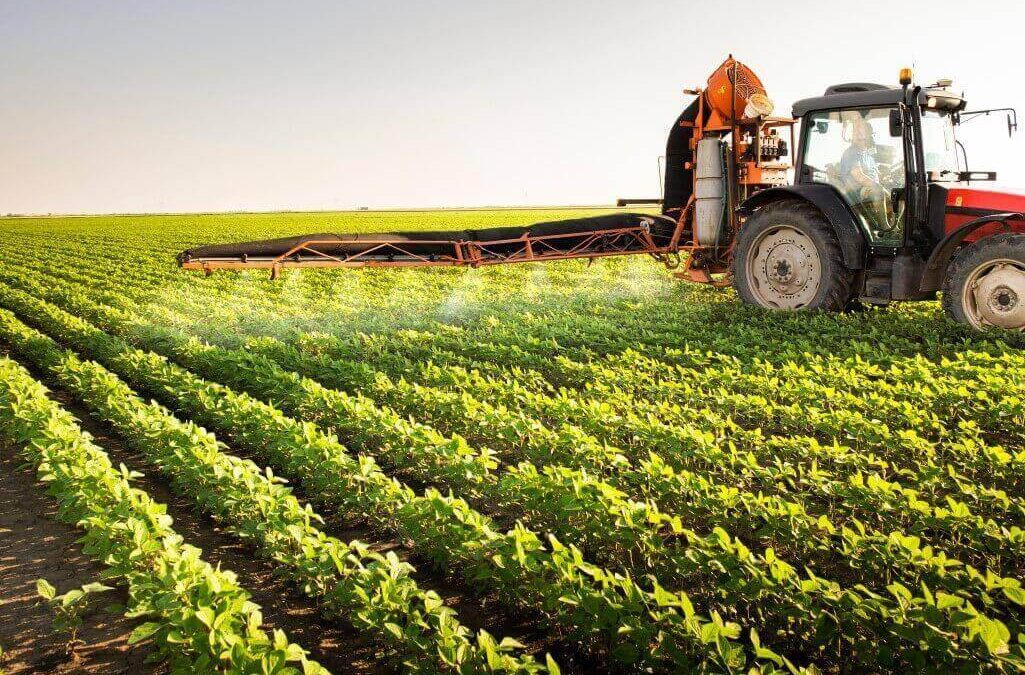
[710,192]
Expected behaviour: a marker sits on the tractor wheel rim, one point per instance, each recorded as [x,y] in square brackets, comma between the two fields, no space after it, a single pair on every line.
[783,268]
[994,295]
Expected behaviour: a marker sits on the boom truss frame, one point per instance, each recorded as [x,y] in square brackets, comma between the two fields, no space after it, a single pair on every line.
[314,253]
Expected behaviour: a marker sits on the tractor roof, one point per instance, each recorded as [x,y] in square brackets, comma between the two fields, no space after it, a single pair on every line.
[867,95]
[853,95]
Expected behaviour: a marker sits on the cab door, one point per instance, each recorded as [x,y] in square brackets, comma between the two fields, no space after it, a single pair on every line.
[852,151]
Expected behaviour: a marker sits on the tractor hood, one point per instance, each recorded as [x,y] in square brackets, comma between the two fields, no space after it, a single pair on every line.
[965,203]
[971,201]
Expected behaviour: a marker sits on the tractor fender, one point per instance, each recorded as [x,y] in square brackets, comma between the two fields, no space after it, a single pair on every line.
[827,200]
[940,257]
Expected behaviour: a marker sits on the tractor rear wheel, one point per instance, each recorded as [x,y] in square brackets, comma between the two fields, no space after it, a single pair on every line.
[787,257]
[985,284]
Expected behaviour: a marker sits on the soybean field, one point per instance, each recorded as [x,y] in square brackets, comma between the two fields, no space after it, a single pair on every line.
[571,467]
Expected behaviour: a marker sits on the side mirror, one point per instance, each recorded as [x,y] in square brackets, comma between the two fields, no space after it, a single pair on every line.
[896,123]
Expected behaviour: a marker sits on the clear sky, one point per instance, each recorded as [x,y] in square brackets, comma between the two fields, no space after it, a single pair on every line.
[138,106]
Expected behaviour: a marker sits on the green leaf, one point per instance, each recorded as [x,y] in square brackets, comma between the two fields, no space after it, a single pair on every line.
[1015,594]
[45,589]
[143,631]
[71,597]
[946,601]
[206,616]
[95,587]
[509,643]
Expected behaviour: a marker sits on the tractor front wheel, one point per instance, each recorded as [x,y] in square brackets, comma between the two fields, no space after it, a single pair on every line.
[787,257]
[985,284]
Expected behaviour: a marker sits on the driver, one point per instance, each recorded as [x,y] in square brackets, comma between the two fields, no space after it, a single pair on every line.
[860,172]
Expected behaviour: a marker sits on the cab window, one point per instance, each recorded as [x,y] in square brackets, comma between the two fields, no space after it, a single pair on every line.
[939,145]
[852,150]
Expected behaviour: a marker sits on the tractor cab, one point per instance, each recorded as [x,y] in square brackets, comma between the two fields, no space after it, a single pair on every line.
[882,166]
[877,149]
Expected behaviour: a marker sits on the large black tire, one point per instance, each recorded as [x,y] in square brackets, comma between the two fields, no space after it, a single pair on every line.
[775,267]
[973,296]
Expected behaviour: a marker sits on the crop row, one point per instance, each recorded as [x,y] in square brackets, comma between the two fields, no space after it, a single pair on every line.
[510,430]
[908,404]
[368,295]
[828,393]
[505,428]
[198,616]
[867,491]
[903,447]
[786,522]
[691,498]
[375,592]
[568,428]
[584,599]
[701,502]
[617,414]
[910,394]
[864,604]
[656,324]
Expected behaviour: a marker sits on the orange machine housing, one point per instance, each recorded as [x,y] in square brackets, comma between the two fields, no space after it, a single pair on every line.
[730,89]
[757,149]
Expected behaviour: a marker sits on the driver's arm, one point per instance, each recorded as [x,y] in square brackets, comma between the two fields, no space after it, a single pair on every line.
[859,176]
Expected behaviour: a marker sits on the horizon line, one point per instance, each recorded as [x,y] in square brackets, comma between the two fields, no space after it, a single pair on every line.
[417,209]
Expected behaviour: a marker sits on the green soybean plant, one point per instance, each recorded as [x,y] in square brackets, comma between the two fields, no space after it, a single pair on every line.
[70,608]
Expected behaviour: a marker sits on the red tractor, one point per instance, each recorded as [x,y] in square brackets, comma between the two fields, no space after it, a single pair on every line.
[882,208]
